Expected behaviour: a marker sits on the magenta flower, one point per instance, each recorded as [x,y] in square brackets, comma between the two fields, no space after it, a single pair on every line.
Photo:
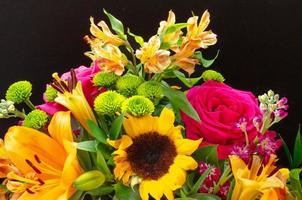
[268,144]
[83,74]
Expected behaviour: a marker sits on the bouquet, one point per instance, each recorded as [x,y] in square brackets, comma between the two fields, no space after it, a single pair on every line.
[138,124]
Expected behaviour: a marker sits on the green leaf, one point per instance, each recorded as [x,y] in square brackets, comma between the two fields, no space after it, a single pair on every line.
[175,27]
[229,197]
[189,82]
[205,62]
[116,127]
[122,192]
[207,154]
[78,195]
[295,182]
[101,162]
[87,146]
[84,160]
[179,100]
[116,24]
[199,182]
[297,157]
[205,196]
[137,38]
[103,190]
[98,133]
[287,153]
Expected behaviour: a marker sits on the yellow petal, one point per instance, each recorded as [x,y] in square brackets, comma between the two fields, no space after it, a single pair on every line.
[185,162]
[136,126]
[204,21]
[236,163]
[187,146]
[122,143]
[60,127]
[24,143]
[166,121]
[269,194]
[71,169]
[175,178]
[152,187]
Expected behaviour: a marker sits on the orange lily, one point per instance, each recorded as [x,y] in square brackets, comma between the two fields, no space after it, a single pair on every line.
[105,35]
[48,164]
[256,181]
[154,59]
[71,96]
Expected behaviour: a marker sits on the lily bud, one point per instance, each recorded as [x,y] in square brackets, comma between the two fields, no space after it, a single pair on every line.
[89,180]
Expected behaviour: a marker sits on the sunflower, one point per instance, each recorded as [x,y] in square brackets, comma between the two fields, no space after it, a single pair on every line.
[154,152]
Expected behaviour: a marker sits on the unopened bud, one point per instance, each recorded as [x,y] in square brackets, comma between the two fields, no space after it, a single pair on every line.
[89,180]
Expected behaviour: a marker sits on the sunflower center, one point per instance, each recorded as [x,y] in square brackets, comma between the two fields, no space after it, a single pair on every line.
[151,155]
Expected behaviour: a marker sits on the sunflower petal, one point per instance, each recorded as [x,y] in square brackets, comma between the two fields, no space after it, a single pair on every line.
[166,121]
[185,162]
[187,146]
[136,126]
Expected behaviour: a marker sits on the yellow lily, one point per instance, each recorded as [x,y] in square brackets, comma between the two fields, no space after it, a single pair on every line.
[198,32]
[105,35]
[48,164]
[154,59]
[109,57]
[256,181]
[172,37]
[71,96]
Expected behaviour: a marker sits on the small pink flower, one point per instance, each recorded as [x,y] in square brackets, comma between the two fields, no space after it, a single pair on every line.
[268,144]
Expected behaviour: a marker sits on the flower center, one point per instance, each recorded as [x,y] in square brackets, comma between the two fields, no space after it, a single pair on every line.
[151,155]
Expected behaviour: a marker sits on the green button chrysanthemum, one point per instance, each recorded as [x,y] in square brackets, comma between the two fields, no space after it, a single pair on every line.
[152,90]
[19,92]
[212,75]
[138,106]
[105,79]
[128,84]
[50,93]
[36,119]
[108,102]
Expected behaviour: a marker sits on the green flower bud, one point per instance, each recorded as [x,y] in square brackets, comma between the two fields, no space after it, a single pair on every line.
[105,79]
[138,106]
[19,92]
[50,93]
[89,180]
[151,89]
[212,75]
[36,119]
[108,102]
[128,84]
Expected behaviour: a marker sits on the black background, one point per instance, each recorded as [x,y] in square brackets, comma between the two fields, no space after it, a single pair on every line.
[260,41]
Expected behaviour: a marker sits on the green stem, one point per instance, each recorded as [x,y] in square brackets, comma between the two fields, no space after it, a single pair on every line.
[133,58]
[29,104]
[20,114]
[246,138]
[223,179]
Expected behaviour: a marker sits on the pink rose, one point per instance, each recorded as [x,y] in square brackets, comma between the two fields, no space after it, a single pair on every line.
[220,108]
[84,74]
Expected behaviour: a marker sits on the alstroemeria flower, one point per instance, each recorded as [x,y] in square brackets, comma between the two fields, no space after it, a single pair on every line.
[71,96]
[154,59]
[170,38]
[111,59]
[105,35]
[183,57]
[197,32]
[48,164]
[254,180]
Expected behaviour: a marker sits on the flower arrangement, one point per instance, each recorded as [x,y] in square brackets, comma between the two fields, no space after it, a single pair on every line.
[119,130]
